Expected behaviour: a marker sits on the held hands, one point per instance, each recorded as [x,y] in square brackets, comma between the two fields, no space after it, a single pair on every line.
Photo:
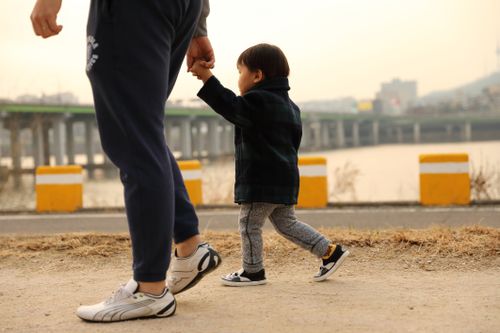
[200,49]
[199,70]
[200,58]
[44,18]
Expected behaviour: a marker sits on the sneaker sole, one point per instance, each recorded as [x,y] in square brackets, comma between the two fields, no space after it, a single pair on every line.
[242,284]
[334,268]
[212,266]
[168,311]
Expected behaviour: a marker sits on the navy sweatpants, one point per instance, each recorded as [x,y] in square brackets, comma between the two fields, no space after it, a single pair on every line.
[135,49]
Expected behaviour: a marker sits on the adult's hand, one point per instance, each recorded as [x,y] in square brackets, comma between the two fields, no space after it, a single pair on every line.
[44,18]
[200,49]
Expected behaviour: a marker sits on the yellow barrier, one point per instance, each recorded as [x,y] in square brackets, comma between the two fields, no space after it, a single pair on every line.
[59,188]
[444,179]
[191,173]
[313,182]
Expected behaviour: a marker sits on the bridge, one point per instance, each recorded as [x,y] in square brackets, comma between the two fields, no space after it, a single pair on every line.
[51,134]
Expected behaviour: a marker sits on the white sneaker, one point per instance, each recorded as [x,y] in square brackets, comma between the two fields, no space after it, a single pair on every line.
[126,303]
[186,272]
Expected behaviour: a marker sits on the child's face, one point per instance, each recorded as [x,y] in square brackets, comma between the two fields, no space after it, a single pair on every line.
[248,79]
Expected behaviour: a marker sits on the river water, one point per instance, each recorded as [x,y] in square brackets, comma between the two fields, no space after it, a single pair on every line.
[365,174]
[391,172]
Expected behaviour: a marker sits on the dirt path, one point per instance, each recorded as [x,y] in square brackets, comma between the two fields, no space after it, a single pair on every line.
[372,292]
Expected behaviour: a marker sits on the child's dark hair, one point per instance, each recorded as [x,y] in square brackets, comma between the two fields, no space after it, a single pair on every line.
[268,58]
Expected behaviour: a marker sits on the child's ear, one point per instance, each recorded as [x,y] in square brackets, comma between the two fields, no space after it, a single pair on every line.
[258,76]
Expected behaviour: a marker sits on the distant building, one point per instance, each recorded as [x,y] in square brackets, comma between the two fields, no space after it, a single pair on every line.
[65,98]
[377,106]
[397,96]
[491,97]
[28,99]
[365,105]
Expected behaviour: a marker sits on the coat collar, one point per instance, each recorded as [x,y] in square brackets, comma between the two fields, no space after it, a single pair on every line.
[275,83]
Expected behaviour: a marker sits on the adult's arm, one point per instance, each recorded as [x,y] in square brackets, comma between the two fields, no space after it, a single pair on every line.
[201,28]
[44,18]
[200,47]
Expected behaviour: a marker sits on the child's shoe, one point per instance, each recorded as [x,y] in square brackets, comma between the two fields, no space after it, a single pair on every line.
[242,278]
[331,263]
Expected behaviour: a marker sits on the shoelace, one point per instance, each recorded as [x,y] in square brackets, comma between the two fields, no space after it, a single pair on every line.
[121,293]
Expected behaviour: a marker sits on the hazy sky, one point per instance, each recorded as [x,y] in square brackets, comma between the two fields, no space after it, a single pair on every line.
[335,47]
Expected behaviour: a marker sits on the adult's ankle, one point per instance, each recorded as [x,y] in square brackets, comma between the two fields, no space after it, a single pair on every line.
[153,288]
[188,247]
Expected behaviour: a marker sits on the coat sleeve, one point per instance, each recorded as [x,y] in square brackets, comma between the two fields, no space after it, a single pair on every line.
[201,28]
[238,110]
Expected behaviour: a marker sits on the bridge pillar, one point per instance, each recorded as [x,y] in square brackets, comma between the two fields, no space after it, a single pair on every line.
[416,133]
[223,139]
[467,131]
[168,133]
[70,142]
[325,134]
[110,170]
[89,147]
[16,148]
[375,132]
[1,134]
[340,134]
[37,140]
[186,146]
[449,131]
[227,141]
[388,132]
[193,133]
[213,138]
[355,134]
[200,145]
[304,142]
[316,127]
[59,130]
[194,138]
[46,143]
[399,134]
[230,136]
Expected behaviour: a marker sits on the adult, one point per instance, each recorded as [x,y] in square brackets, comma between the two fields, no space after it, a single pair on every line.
[135,49]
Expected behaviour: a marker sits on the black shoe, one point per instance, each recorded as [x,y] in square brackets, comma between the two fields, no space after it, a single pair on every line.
[242,278]
[331,264]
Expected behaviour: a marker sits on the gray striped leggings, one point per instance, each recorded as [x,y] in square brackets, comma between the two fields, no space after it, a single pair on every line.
[252,219]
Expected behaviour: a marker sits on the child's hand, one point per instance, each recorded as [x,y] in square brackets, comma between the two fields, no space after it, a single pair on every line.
[200,71]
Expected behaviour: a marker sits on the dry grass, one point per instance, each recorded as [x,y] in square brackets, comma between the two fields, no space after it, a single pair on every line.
[477,241]
[484,181]
[78,245]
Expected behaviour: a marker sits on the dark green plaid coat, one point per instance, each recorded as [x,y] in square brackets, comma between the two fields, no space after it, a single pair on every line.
[267,138]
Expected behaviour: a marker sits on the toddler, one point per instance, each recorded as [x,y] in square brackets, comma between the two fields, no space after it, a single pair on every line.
[268,131]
